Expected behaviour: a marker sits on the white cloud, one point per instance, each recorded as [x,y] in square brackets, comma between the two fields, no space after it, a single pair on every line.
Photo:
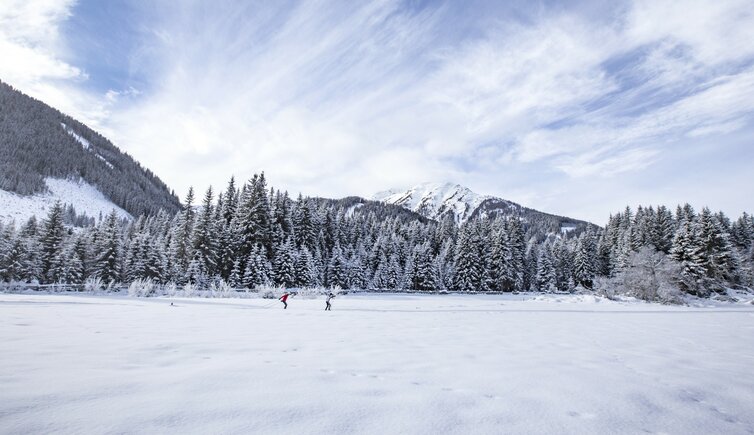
[336,99]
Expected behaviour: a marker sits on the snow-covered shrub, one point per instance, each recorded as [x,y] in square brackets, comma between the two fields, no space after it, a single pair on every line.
[649,275]
[169,289]
[94,284]
[221,289]
[189,290]
[141,288]
[267,291]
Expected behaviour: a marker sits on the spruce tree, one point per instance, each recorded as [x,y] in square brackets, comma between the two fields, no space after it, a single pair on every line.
[51,241]
[108,250]
[204,236]
[306,276]
[546,278]
[284,265]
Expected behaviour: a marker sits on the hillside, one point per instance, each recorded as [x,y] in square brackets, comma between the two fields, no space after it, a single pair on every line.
[37,142]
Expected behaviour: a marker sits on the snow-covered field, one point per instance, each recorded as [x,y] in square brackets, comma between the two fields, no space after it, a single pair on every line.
[84,197]
[376,364]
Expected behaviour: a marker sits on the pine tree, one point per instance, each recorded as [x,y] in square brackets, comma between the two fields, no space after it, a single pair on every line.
[108,250]
[687,251]
[546,276]
[303,224]
[12,264]
[306,276]
[284,265]
[258,269]
[469,270]
[204,237]
[356,274]
[51,241]
[337,269]
[181,246]
[716,252]
[585,268]
[234,279]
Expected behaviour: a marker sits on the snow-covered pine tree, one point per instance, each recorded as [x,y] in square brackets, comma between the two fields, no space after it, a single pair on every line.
[258,270]
[663,230]
[306,276]
[303,224]
[71,269]
[51,242]
[156,262]
[469,267]
[12,263]
[687,251]
[337,269]
[517,246]
[107,265]
[357,278]
[584,262]
[195,273]
[136,261]
[499,277]
[234,279]
[546,279]
[284,264]
[204,239]
[423,275]
[181,251]
[716,252]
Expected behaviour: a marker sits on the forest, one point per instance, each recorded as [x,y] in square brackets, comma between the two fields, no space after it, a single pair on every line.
[250,236]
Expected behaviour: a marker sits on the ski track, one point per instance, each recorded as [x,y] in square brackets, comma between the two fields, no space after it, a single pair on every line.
[377,364]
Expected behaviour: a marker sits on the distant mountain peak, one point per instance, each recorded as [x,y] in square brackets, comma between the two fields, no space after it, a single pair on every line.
[435,200]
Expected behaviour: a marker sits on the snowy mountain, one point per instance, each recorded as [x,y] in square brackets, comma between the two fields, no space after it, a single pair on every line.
[38,144]
[435,200]
[82,196]
[438,200]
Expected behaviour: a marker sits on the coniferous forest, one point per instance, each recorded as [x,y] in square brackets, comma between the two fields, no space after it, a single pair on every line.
[250,235]
[38,141]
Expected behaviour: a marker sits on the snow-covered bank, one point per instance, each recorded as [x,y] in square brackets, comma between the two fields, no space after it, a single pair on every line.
[376,364]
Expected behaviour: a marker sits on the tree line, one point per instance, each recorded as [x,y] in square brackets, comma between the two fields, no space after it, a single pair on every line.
[251,235]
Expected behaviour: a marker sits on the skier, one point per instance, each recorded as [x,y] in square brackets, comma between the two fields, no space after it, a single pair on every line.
[283,299]
[329,297]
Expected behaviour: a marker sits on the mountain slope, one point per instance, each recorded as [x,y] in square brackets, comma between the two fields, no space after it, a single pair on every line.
[37,142]
[82,198]
[438,200]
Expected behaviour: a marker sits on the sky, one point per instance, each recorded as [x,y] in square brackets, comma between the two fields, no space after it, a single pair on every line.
[577,108]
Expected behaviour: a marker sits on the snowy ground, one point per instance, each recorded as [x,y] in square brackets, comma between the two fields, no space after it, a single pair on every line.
[84,197]
[376,364]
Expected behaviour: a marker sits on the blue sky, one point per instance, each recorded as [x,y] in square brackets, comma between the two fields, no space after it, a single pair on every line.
[575,108]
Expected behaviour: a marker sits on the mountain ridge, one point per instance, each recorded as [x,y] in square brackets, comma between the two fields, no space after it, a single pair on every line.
[436,200]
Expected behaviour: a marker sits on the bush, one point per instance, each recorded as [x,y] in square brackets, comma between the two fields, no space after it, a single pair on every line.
[94,284]
[141,288]
[650,275]
[221,289]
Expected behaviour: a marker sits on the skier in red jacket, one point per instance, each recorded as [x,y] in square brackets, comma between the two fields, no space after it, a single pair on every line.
[283,299]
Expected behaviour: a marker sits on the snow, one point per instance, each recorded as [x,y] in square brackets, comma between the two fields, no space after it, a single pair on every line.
[565,229]
[84,143]
[376,364]
[433,200]
[350,211]
[84,197]
[109,165]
